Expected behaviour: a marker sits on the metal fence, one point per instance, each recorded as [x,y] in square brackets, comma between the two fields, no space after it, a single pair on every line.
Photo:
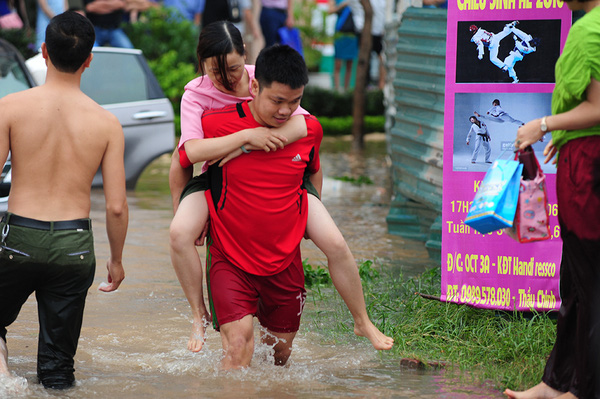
[416,54]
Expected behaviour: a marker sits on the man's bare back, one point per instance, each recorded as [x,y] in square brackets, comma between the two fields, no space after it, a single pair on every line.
[58,139]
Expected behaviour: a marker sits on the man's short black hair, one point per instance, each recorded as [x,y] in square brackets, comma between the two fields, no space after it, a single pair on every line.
[69,40]
[282,64]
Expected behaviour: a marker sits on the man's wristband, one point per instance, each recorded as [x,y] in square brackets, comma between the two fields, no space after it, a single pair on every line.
[244,150]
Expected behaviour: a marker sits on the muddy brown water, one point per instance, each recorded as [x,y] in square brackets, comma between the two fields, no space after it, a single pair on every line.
[133,341]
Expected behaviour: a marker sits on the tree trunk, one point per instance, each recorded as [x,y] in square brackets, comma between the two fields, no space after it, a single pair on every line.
[360,84]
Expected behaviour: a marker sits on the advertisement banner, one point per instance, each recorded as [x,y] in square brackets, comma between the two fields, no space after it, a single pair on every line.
[499,75]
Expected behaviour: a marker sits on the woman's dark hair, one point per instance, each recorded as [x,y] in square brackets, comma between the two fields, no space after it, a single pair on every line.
[218,39]
[69,40]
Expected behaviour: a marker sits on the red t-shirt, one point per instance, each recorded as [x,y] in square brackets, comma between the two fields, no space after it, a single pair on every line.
[257,202]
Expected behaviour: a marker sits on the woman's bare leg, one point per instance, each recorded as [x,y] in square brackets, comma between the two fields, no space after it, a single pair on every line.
[348,74]
[186,227]
[337,68]
[324,233]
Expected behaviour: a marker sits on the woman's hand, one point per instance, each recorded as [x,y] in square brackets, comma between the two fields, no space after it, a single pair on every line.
[528,134]
[550,152]
[262,138]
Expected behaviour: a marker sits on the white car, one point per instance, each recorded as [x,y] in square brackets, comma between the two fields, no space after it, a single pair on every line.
[121,81]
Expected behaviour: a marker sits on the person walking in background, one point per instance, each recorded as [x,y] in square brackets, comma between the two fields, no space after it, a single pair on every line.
[345,43]
[46,244]
[377,32]
[482,138]
[238,12]
[275,14]
[133,9]
[13,14]
[107,17]
[46,10]
[189,9]
[573,367]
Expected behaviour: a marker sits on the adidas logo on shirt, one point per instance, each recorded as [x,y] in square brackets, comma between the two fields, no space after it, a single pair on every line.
[297,158]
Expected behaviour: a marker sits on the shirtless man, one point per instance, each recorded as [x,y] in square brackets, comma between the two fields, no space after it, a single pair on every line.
[58,138]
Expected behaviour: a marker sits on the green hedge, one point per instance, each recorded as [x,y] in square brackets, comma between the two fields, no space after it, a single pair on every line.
[162,30]
[324,102]
[341,125]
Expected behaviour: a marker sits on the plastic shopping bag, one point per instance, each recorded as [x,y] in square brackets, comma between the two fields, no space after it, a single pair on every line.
[531,219]
[11,21]
[495,202]
[291,37]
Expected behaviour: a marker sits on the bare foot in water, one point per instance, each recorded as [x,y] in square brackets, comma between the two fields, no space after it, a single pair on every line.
[197,337]
[10,385]
[379,340]
[540,391]
[3,359]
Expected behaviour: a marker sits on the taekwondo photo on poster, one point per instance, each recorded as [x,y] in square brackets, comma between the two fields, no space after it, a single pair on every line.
[507,51]
[499,75]
[485,126]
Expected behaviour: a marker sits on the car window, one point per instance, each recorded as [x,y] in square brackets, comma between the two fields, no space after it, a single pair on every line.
[115,78]
[12,78]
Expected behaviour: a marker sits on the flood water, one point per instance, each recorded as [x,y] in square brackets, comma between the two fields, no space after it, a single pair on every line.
[133,341]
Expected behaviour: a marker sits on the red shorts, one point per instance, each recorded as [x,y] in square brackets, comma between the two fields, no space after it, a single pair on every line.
[578,187]
[276,300]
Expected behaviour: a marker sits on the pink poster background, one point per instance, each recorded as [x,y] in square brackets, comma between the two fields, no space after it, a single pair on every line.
[493,271]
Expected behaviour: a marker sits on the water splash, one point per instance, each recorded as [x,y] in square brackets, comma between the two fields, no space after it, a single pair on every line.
[13,386]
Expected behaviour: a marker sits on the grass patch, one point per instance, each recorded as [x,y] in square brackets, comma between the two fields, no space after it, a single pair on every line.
[501,349]
[357,181]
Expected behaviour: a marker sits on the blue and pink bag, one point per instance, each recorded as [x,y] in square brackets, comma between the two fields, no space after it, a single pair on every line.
[495,202]
[531,219]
